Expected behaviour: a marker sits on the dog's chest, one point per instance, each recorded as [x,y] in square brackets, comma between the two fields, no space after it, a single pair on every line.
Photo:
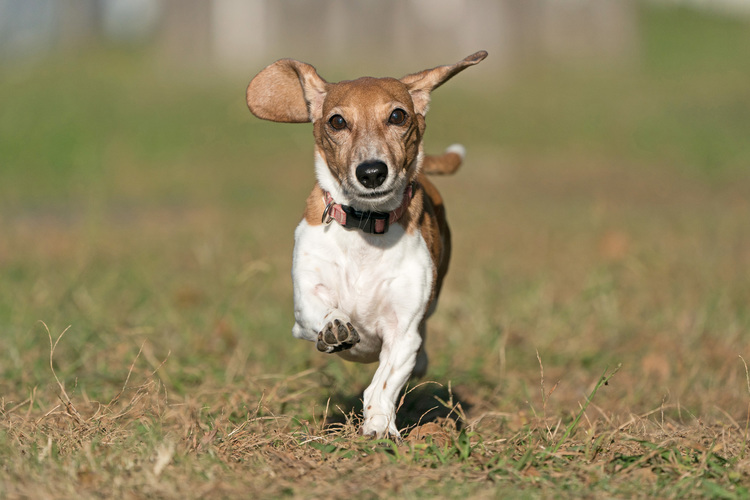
[372,278]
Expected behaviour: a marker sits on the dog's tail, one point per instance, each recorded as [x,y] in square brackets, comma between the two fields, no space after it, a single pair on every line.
[446,163]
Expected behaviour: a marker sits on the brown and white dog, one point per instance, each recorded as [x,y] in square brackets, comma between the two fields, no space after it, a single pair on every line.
[365,284]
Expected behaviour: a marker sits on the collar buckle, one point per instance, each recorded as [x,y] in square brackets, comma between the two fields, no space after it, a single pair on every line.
[327,217]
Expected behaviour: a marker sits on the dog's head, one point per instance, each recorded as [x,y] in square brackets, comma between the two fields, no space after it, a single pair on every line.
[368,132]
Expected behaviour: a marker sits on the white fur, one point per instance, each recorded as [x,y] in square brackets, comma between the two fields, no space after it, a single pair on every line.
[379,283]
[327,181]
[459,149]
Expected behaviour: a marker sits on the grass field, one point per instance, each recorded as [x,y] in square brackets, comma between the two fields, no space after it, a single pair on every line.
[591,339]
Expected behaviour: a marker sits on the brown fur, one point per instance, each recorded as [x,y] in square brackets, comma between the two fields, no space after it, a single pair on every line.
[366,124]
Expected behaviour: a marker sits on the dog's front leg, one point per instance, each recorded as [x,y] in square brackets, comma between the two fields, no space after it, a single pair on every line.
[316,301]
[317,318]
[397,359]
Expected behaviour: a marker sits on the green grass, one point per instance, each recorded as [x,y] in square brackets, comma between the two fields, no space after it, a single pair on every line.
[600,221]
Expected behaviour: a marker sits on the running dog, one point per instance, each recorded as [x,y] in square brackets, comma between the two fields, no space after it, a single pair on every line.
[373,246]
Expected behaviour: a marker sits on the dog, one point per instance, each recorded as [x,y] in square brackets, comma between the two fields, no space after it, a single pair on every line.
[373,246]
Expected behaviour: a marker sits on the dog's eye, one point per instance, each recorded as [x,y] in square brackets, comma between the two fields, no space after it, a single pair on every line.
[337,122]
[398,117]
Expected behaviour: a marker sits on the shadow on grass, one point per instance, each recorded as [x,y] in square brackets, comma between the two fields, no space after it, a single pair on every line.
[426,402]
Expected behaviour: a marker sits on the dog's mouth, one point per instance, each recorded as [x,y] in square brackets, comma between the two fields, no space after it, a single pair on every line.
[376,195]
[354,191]
[371,200]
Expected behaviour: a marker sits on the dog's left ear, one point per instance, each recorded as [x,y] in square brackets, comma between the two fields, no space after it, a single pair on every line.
[421,84]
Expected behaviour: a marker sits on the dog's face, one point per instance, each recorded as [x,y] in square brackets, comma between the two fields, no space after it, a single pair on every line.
[369,136]
[368,132]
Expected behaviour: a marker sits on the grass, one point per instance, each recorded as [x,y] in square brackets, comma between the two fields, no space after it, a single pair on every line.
[600,222]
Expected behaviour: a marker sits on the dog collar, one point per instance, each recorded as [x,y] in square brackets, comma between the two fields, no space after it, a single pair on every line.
[370,222]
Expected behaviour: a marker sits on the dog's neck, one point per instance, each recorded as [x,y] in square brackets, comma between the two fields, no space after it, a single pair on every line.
[368,221]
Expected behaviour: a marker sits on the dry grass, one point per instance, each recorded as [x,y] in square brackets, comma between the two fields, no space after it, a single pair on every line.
[243,439]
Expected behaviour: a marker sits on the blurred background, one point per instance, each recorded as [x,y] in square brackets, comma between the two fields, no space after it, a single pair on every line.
[238,33]
[601,216]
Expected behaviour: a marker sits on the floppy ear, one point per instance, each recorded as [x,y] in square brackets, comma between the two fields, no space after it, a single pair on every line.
[421,84]
[287,91]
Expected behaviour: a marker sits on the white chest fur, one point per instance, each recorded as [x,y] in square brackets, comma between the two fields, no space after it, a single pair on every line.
[381,283]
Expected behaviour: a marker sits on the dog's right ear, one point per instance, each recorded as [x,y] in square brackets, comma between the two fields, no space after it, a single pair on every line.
[287,91]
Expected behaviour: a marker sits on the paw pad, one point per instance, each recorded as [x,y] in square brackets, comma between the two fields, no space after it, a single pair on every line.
[337,336]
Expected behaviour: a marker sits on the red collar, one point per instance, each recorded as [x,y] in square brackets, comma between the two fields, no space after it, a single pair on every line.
[366,221]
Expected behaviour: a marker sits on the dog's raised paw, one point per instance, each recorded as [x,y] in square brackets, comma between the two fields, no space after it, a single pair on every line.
[337,336]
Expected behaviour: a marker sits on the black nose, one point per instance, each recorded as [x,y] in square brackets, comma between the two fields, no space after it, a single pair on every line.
[372,174]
